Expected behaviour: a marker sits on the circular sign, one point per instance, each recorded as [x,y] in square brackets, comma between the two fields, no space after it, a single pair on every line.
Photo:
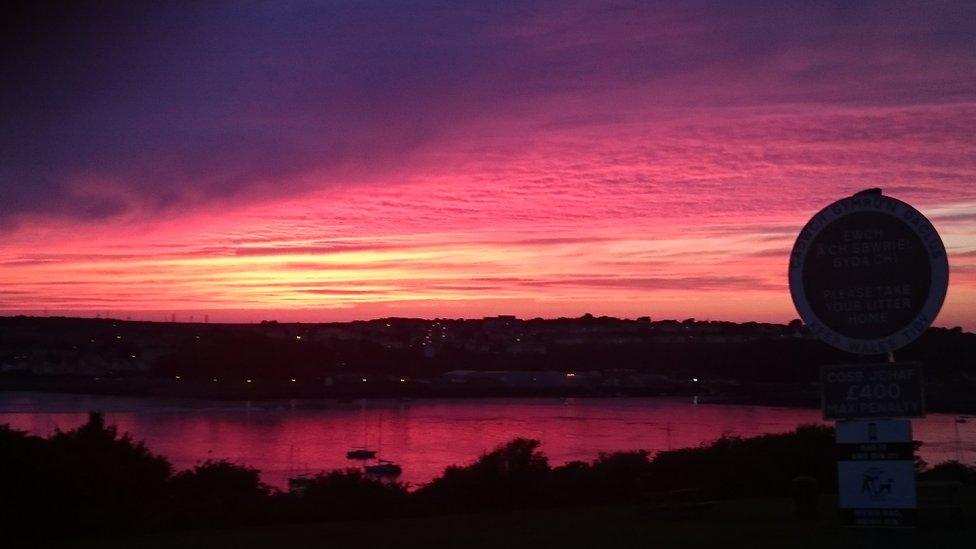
[868,273]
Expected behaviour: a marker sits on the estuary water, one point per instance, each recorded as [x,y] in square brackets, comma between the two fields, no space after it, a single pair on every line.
[289,437]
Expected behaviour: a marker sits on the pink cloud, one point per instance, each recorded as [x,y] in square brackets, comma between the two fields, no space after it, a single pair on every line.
[557,163]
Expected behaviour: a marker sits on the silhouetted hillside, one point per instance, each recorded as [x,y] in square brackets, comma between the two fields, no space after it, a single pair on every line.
[418,357]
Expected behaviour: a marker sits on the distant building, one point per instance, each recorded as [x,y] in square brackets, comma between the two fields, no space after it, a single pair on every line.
[518,379]
[500,322]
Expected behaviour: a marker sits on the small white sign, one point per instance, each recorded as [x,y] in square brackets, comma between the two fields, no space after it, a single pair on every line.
[871,431]
[877,484]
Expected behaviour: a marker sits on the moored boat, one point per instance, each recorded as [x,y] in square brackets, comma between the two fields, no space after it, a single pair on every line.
[383,468]
[361,453]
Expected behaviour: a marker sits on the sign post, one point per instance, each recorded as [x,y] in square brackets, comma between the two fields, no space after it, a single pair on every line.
[868,275]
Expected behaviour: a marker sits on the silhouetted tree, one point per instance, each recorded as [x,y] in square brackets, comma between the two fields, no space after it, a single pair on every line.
[749,467]
[105,479]
[951,471]
[511,475]
[87,479]
[349,494]
[218,492]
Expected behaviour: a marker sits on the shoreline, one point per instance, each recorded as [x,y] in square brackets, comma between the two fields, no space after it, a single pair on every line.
[938,398]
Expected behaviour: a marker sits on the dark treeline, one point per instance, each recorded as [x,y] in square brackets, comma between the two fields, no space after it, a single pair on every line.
[93,482]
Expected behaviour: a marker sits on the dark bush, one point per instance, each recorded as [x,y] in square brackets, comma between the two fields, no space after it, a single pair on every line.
[612,478]
[25,484]
[348,494]
[88,479]
[514,474]
[761,466]
[620,476]
[218,492]
[951,471]
[571,483]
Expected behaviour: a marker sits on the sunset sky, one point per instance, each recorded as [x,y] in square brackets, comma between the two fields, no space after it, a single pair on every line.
[344,160]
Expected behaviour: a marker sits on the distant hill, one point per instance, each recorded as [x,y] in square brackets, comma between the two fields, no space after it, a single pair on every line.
[421,351]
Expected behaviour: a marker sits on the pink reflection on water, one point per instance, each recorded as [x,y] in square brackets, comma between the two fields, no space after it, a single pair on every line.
[284,438]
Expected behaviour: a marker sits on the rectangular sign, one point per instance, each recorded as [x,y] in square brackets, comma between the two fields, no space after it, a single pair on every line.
[876,473]
[877,493]
[877,484]
[863,391]
[880,439]
[879,430]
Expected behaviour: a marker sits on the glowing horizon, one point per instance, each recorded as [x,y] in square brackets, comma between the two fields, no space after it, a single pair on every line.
[652,163]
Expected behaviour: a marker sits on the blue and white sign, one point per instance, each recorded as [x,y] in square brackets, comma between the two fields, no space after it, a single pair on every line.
[876,473]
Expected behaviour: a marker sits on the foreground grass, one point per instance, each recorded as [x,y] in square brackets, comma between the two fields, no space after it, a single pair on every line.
[752,524]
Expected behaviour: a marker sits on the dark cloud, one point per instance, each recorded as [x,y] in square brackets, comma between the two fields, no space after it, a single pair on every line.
[120,107]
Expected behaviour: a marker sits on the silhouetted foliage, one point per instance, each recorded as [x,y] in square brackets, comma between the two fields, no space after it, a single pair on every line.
[511,475]
[951,471]
[516,474]
[25,461]
[749,467]
[92,481]
[619,477]
[343,494]
[218,492]
[87,479]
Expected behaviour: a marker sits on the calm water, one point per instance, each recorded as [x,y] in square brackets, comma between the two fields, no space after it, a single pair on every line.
[284,438]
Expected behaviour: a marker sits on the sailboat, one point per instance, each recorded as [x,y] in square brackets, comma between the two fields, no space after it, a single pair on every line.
[299,483]
[382,467]
[362,453]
